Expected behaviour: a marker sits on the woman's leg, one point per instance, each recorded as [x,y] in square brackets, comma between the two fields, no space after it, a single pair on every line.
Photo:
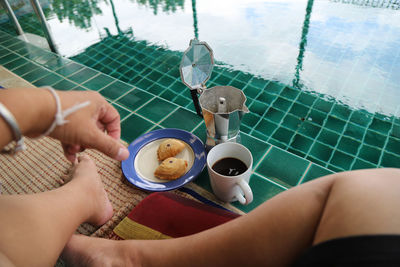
[5,262]
[362,203]
[35,228]
[274,234]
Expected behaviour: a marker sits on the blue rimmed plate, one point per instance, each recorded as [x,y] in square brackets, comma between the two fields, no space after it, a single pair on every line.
[140,166]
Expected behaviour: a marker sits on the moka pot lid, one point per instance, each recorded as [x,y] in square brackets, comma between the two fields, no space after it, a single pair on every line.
[196,65]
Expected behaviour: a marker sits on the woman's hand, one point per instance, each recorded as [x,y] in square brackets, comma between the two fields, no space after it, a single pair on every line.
[94,126]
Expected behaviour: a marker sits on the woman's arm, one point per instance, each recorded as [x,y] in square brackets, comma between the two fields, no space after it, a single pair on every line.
[33,110]
[94,126]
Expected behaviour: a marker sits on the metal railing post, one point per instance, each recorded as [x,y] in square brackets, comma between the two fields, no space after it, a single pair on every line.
[12,17]
[39,12]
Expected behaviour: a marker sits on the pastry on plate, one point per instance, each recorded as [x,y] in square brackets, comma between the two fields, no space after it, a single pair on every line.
[169,148]
[171,169]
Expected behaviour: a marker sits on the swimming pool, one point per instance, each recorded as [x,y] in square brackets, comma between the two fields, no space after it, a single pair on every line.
[320,76]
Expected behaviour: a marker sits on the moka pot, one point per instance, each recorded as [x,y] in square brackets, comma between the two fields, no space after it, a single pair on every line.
[222,107]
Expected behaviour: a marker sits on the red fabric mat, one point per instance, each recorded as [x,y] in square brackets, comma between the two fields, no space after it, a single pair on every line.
[168,215]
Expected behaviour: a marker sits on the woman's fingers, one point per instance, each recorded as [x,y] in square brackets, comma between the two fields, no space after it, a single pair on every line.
[108,145]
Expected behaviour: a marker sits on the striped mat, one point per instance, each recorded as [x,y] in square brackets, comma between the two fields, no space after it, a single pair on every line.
[40,167]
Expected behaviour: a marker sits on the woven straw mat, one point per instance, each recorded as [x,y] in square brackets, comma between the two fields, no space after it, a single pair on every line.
[42,165]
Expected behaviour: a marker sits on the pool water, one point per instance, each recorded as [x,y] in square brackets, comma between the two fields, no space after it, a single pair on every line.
[320,76]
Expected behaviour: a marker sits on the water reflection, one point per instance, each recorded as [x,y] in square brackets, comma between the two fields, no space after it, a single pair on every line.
[164,5]
[116,18]
[329,47]
[352,55]
[77,12]
[196,29]
[303,44]
[80,12]
[393,4]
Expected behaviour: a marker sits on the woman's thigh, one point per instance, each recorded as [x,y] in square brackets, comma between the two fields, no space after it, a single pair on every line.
[364,202]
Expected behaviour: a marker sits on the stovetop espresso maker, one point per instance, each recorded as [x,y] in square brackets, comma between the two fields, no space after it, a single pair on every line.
[222,107]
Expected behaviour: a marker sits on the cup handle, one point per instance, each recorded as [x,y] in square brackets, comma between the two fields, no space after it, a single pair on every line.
[248,194]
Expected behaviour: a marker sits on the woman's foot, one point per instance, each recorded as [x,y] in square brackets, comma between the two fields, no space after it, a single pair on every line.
[91,251]
[85,177]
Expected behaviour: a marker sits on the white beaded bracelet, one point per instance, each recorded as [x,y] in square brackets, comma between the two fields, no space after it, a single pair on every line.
[12,123]
[60,114]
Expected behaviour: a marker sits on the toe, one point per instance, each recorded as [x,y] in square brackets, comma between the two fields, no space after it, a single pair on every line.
[84,158]
[85,164]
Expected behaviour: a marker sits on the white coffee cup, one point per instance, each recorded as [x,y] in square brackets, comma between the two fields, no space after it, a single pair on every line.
[231,188]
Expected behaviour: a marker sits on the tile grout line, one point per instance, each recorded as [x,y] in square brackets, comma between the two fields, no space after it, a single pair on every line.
[263,157]
[262,117]
[166,117]
[32,61]
[197,126]
[26,63]
[127,116]
[304,174]
[385,145]
[137,114]
[54,71]
[85,81]
[341,134]
[293,101]
[17,76]
[271,181]
[124,94]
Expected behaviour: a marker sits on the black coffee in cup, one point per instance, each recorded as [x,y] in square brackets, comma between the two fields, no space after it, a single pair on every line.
[229,166]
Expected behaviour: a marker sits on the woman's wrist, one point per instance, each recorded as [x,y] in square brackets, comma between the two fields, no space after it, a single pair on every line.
[45,106]
[33,109]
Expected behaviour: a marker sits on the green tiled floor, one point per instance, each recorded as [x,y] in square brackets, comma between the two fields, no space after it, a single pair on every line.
[275,166]
[143,111]
[307,124]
